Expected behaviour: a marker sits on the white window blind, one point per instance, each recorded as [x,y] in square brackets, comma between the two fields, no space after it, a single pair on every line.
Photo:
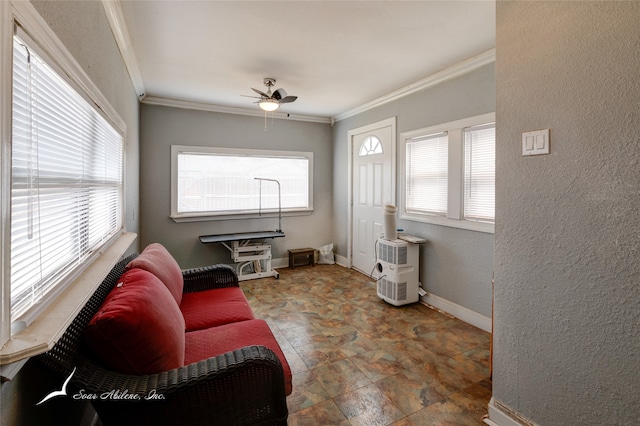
[67,186]
[480,173]
[225,183]
[427,174]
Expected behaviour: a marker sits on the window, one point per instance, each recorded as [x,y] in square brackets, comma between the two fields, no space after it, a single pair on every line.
[427,174]
[222,182]
[480,173]
[449,174]
[66,181]
[370,146]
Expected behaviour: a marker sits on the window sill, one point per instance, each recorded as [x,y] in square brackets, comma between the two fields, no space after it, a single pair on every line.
[209,217]
[40,336]
[488,228]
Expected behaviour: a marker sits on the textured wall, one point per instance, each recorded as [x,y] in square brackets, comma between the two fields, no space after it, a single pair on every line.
[567,291]
[164,126]
[456,264]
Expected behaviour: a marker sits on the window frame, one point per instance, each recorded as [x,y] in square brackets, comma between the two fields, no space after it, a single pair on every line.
[432,209]
[455,194]
[59,108]
[476,168]
[37,334]
[247,214]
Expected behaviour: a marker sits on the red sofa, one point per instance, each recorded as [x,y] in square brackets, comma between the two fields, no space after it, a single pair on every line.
[184,335]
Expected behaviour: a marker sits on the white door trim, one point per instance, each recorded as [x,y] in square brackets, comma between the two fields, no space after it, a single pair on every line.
[350,149]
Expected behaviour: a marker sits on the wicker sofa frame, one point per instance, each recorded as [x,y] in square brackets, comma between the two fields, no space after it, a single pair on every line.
[242,387]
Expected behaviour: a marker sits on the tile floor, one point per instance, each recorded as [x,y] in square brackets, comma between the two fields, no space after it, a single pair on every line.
[357,360]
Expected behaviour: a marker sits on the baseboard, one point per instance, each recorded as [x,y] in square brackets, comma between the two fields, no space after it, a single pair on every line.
[341,260]
[282,262]
[487,421]
[501,415]
[458,311]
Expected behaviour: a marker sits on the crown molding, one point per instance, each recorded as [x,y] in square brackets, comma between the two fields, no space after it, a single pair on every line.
[120,32]
[175,103]
[118,26]
[452,72]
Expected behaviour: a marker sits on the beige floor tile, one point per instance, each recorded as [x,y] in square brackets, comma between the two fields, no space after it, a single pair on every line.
[368,406]
[357,360]
[324,413]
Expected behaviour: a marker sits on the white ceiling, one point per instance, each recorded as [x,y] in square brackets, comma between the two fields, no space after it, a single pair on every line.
[334,55]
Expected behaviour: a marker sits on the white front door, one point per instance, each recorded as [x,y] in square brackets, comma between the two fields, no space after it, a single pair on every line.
[373,185]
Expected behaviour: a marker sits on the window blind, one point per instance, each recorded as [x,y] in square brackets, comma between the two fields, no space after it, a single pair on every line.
[67,186]
[480,173]
[225,183]
[427,174]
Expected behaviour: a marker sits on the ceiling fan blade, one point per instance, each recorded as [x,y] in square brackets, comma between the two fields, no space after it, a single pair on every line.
[288,99]
[261,93]
[254,97]
[279,94]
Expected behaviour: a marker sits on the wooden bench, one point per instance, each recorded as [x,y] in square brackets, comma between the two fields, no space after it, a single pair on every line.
[307,253]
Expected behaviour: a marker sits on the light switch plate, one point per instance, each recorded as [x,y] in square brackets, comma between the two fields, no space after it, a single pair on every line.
[535,142]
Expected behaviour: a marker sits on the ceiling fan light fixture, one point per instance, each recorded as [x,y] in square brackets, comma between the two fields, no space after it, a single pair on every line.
[268,104]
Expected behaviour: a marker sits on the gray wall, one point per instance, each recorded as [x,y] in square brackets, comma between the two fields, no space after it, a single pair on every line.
[83,28]
[567,289]
[163,126]
[455,264]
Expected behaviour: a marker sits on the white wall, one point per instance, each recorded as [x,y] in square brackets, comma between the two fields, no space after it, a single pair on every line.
[567,290]
[456,264]
[163,126]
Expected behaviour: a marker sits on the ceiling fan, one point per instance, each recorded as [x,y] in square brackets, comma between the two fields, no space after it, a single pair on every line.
[271,101]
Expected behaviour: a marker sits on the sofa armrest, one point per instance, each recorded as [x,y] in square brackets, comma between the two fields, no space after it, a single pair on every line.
[245,386]
[208,277]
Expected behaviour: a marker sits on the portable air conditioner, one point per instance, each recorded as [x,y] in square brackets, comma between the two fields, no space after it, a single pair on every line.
[397,272]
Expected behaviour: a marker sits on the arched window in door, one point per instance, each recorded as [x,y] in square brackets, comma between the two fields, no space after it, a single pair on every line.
[371,145]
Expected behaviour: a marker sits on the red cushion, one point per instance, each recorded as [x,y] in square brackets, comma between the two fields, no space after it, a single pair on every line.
[203,344]
[157,260]
[210,308]
[139,328]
